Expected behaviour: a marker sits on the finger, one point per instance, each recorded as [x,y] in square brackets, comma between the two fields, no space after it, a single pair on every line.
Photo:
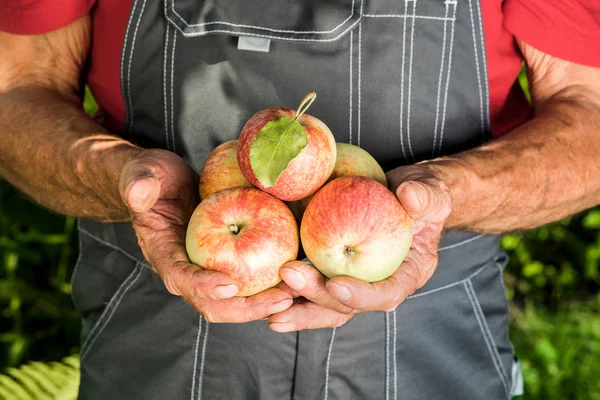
[244,309]
[308,282]
[142,194]
[307,315]
[424,202]
[166,252]
[387,294]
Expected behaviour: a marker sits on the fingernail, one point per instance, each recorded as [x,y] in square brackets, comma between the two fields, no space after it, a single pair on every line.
[280,306]
[282,326]
[225,291]
[340,291]
[296,279]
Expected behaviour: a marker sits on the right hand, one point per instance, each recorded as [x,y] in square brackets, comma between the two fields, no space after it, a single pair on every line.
[161,192]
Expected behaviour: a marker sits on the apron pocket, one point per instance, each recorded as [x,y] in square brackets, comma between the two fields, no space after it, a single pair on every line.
[298,20]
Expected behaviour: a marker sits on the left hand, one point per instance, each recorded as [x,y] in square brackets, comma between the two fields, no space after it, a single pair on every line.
[321,302]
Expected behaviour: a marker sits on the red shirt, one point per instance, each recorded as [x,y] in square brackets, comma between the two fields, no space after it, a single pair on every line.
[567,29]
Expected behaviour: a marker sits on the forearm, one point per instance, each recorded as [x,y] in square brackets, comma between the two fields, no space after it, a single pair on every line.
[540,172]
[55,153]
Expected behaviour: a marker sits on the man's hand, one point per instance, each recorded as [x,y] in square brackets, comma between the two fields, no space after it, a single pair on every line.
[161,191]
[324,303]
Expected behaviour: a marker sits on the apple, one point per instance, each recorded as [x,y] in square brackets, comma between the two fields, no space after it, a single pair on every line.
[221,170]
[350,160]
[288,154]
[245,233]
[355,226]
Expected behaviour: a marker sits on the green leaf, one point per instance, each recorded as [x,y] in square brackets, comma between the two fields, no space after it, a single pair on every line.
[277,143]
[38,381]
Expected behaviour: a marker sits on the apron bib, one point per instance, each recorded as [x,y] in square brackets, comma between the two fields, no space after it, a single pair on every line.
[405,80]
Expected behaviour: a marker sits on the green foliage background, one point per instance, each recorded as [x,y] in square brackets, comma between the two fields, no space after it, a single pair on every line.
[552,283]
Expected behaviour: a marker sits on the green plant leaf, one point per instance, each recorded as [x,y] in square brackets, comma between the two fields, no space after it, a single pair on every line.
[277,143]
[38,381]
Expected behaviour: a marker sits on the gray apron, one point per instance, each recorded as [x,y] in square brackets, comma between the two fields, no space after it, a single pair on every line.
[407,81]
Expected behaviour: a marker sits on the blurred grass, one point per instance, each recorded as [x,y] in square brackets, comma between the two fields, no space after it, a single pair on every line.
[552,284]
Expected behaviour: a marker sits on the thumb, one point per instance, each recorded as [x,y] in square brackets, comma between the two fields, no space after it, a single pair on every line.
[423,201]
[139,187]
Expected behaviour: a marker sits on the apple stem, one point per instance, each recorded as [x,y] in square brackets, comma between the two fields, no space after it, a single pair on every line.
[305,104]
[349,251]
[233,228]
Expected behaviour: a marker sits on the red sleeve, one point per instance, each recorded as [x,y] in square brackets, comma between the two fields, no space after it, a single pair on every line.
[567,29]
[31,17]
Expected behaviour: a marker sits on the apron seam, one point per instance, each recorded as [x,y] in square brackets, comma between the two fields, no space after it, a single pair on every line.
[78,261]
[402,85]
[116,248]
[197,347]
[451,246]
[487,336]
[110,309]
[203,359]
[387,356]
[475,52]
[359,79]
[448,77]
[165,96]
[261,27]
[394,358]
[439,89]
[130,103]
[462,281]
[350,91]
[485,72]
[124,87]
[408,16]
[410,63]
[172,101]
[326,395]
[292,39]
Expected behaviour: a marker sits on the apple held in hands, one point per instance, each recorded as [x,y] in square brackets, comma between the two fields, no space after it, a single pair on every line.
[245,233]
[355,226]
[221,170]
[288,154]
[350,160]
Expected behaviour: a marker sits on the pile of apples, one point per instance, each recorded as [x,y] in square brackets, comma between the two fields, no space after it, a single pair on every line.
[285,171]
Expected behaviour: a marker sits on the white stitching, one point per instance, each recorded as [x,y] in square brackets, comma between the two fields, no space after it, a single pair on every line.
[387,356]
[195,34]
[203,361]
[261,27]
[172,107]
[327,365]
[79,256]
[408,16]
[165,99]
[477,68]
[439,89]
[197,347]
[451,246]
[351,78]
[408,101]
[129,66]
[110,309]
[132,13]
[474,274]
[487,335]
[402,86]
[359,78]
[394,359]
[447,81]
[501,276]
[112,246]
[485,72]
